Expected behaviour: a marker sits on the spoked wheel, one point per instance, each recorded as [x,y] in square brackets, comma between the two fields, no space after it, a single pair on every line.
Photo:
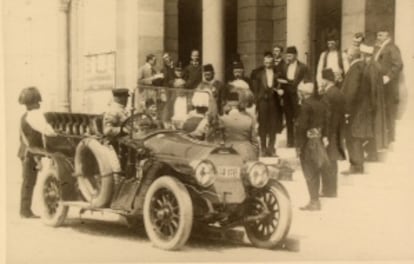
[273,204]
[168,213]
[53,211]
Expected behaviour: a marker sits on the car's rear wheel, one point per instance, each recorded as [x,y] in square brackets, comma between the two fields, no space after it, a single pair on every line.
[168,213]
[53,212]
[274,203]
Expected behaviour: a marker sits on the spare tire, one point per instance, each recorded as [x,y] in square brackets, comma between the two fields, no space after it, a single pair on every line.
[94,171]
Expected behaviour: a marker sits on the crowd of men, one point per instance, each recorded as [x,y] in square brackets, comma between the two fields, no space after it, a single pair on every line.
[347,110]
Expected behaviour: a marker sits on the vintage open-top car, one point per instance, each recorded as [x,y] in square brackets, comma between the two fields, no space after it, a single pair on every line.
[169,179]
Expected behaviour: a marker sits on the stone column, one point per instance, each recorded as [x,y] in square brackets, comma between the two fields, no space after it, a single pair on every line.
[298,27]
[213,36]
[126,43]
[404,20]
[63,93]
[353,20]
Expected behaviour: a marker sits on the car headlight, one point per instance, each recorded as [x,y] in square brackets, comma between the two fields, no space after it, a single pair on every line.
[258,174]
[205,173]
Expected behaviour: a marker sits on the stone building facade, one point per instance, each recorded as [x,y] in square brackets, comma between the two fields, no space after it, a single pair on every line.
[77,49]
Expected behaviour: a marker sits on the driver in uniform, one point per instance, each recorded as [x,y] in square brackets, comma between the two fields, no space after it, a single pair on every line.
[112,125]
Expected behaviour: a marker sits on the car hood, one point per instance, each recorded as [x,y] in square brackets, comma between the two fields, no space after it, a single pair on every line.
[178,146]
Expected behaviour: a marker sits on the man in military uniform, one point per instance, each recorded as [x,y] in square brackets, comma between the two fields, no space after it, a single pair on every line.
[33,126]
[309,146]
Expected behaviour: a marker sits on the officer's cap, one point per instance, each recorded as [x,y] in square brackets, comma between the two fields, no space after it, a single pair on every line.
[118,92]
[208,68]
[30,96]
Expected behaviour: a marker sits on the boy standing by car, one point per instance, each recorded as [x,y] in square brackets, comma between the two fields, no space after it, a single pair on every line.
[33,126]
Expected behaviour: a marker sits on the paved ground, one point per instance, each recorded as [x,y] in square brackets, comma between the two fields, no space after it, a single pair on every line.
[372,219]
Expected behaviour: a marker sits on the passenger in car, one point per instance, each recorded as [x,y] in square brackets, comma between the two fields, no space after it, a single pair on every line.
[240,127]
[151,109]
[33,126]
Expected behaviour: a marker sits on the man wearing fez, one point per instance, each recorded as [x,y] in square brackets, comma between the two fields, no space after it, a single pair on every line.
[309,147]
[332,58]
[193,71]
[355,105]
[33,126]
[215,88]
[268,103]
[334,102]
[388,56]
[372,78]
[294,73]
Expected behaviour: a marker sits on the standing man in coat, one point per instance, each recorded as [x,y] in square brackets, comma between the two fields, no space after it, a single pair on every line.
[268,102]
[309,146]
[357,107]
[294,73]
[372,78]
[334,102]
[388,56]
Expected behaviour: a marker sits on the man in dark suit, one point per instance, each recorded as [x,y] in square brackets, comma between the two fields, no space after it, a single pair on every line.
[353,90]
[294,73]
[268,102]
[334,102]
[388,56]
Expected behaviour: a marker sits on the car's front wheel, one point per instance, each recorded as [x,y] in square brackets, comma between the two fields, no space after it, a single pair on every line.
[168,213]
[273,203]
[53,212]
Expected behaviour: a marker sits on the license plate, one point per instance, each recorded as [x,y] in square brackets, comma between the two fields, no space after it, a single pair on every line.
[228,172]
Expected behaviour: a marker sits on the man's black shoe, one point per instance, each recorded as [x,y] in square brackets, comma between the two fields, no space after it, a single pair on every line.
[312,206]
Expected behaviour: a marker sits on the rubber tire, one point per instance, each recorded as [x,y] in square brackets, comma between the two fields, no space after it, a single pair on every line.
[59,217]
[186,213]
[285,219]
[107,183]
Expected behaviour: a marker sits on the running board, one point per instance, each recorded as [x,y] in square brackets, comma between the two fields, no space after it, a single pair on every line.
[87,207]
